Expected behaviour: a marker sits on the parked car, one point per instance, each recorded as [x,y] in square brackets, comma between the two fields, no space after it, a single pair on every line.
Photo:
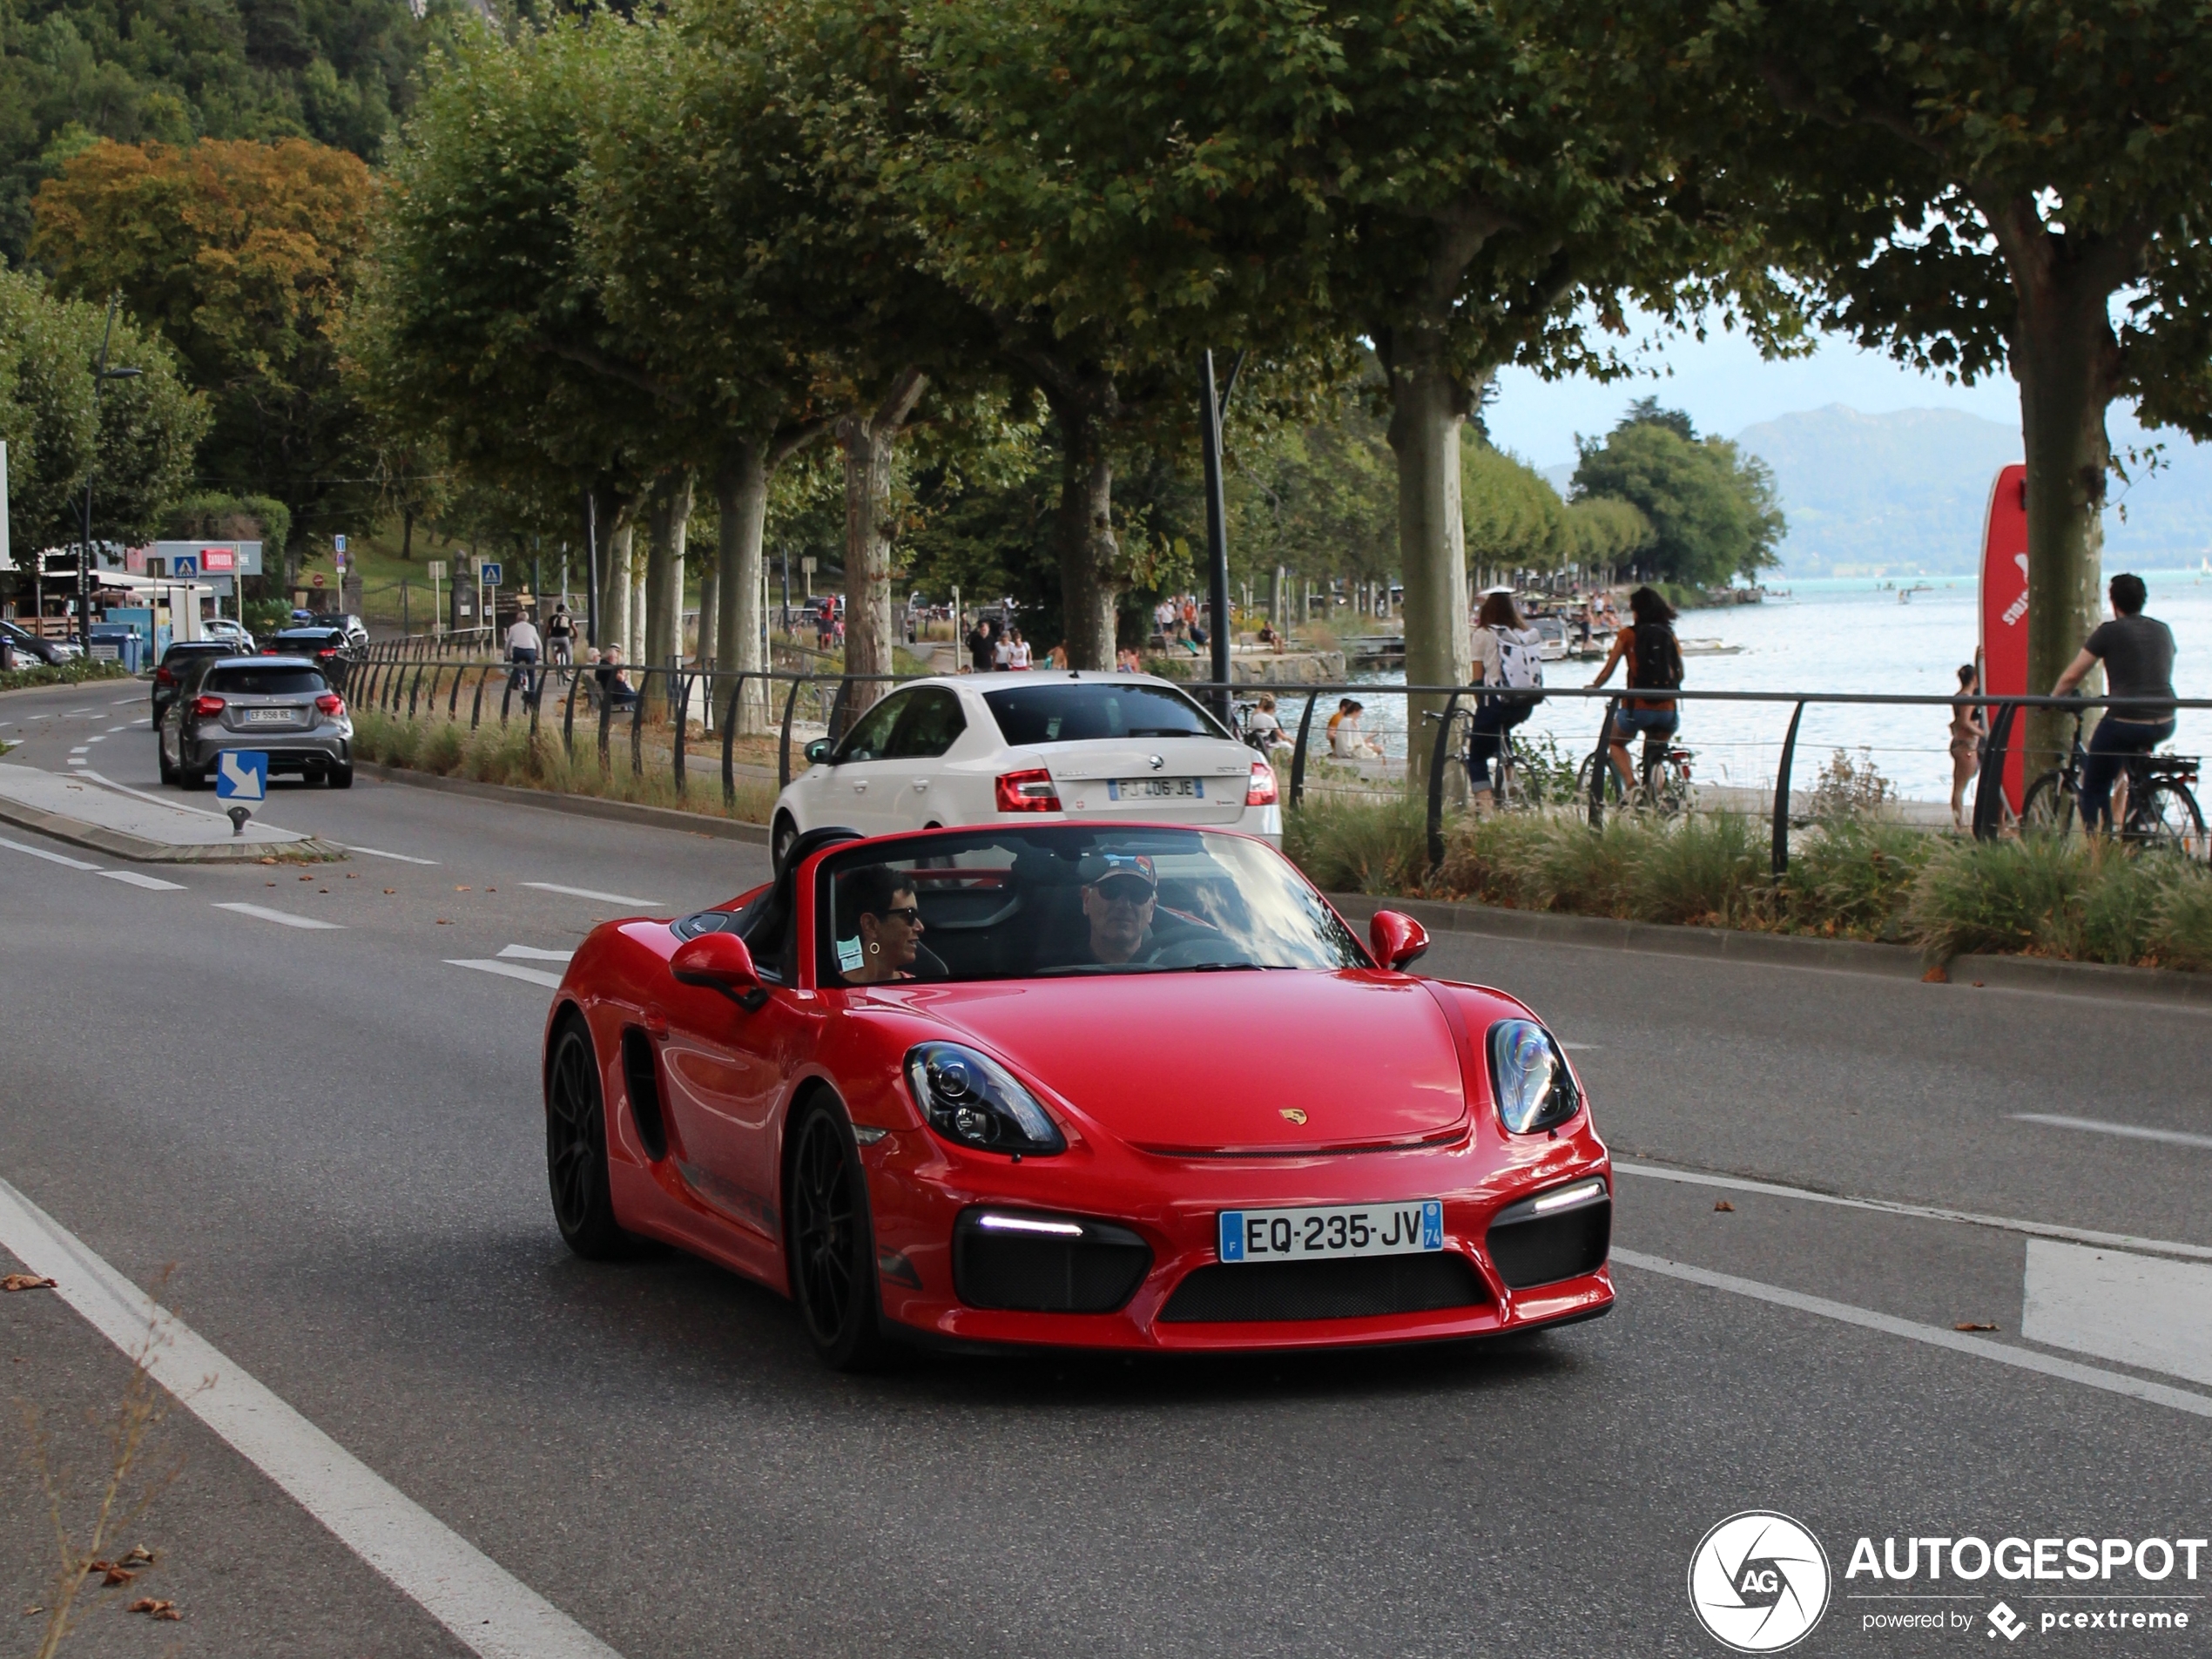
[52,652]
[222,628]
[1001,1086]
[283,707]
[354,629]
[1031,748]
[169,675]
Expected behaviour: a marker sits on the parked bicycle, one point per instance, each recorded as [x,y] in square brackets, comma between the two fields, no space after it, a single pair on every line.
[2152,804]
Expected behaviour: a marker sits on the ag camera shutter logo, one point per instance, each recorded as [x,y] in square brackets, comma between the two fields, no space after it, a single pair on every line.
[1759,1582]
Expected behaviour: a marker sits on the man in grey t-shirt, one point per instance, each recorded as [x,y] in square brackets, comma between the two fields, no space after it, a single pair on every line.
[2138,655]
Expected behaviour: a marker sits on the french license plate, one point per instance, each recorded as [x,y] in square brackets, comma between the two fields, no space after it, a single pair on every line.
[268,716]
[1156,788]
[1406,1228]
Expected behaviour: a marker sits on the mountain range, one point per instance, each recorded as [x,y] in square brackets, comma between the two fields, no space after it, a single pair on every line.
[1904,493]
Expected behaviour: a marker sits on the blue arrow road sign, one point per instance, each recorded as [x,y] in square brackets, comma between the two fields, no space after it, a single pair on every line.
[242,774]
[489,574]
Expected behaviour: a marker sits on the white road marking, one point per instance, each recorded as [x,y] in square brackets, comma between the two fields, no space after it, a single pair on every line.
[486,1607]
[587,892]
[51,857]
[114,729]
[75,761]
[2171,1136]
[1929,1212]
[2137,1310]
[2025,1358]
[532,954]
[284,916]
[379,853]
[151,883]
[123,702]
[100,738]
[511,970]
[80,750]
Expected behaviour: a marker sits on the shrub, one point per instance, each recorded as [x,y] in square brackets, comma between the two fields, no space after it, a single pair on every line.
[1379,847]
[1853,877]
[2017,895]
[1708,869]
[1849,789]
[2180,932]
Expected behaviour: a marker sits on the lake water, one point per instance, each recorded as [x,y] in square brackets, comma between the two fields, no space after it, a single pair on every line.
[1844,635]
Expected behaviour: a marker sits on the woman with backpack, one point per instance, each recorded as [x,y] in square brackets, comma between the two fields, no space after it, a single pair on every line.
[1654,665]
[1508,653]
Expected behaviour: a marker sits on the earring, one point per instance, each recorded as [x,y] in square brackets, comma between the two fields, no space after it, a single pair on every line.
[873,949]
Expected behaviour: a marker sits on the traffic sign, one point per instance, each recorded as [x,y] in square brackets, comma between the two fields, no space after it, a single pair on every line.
[338,543]
[318,578]
[242,774]
[219,558]
[185,565]
[437,570]
[489,573]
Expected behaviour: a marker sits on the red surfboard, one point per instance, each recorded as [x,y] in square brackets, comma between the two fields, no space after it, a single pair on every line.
[2004,606]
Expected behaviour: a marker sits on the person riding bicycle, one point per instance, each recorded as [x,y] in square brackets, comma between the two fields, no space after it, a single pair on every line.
[1654,665]
[559,635]
[1507,653]
[523,648]
[2138,655]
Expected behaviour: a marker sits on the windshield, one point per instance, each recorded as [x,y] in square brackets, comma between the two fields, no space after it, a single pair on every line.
[1060,900]
[1075,710]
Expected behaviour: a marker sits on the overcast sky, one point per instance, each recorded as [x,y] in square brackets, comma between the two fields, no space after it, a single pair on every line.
[1725,385]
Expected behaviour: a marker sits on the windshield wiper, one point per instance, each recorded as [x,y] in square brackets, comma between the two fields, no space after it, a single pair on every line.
[1225,967]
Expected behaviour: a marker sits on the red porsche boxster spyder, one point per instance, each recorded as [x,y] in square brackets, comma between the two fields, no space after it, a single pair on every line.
[1120,1086]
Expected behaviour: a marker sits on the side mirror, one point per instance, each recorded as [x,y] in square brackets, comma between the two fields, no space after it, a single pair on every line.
[818,751]
[720,962]
[1396,938]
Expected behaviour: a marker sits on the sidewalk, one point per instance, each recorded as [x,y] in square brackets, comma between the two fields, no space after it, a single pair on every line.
[87,810]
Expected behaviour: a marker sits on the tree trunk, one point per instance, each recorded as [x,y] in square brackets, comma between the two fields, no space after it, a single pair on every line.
[618,586]
[869,438]
[706,651]
[2064,356]
[741,493]
[1089,556]
[1428,406]
[407,534]
[670,513]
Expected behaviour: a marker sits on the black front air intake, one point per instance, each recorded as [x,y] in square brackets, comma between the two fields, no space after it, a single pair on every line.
[1033,1263]
[1558,1235]
[1236,1293]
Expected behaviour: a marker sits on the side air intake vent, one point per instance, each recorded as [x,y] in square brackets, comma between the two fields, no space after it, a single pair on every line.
[641,1079]
[1557,1235]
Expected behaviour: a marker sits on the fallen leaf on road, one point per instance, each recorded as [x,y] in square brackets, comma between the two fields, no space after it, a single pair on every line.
[25,1282]
[112,1573]
[388,891]
[461,889]
[139,1552]
[1977,985]
[307,878]
[1969,1324]
[352,875]
[158,1609]
[1935,976]
[443,922]
[28,1611]
[1725,1204]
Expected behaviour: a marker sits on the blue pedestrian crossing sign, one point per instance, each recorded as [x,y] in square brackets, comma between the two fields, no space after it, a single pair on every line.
[185,565]
[489,573]
[242,774]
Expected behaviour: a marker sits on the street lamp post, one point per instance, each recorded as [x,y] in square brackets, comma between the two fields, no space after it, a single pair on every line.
[101,375]
[1217,515]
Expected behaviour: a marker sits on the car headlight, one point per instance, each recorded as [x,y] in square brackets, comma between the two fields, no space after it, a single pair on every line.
[970,1098]
[1529,1078]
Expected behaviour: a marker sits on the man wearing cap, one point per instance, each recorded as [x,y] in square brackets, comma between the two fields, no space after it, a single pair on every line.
[1121,894]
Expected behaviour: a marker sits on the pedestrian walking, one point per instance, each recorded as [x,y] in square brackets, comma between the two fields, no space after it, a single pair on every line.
[1969,725]
[2138,655]
[982,640]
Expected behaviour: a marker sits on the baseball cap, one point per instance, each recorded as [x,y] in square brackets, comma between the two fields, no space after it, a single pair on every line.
[1098,868]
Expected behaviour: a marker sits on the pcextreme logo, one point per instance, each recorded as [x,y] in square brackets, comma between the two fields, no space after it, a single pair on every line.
[1758,1582]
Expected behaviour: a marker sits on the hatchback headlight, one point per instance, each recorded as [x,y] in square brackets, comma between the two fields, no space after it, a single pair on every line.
[1529,1078]
[970,1098]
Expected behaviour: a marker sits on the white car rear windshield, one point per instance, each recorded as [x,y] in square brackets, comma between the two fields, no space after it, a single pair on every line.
[265,681]
[1083,711]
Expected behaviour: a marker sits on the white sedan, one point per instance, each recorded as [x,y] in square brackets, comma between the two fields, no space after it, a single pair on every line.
[1057,746]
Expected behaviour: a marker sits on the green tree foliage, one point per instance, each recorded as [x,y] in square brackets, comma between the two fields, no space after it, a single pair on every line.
[1319,500]
[340,72]
[1973,188]
[246,256]
[135,444]
[1710,509]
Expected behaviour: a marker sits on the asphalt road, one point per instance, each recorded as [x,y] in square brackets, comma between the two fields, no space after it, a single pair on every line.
[330,1141]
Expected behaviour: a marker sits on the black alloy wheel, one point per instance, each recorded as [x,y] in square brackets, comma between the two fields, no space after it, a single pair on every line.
[831,1242]
[575,1149]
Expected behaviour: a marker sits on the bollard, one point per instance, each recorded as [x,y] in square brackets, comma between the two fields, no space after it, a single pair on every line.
[1781,861]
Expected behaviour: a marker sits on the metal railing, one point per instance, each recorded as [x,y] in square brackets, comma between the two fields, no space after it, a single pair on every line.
[405,679]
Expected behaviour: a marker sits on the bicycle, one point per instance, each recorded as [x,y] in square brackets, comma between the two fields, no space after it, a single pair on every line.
[1663,786]
[2152,804]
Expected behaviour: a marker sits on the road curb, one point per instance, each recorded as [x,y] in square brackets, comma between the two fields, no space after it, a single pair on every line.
[122,844]
[621,812]
[1792,950]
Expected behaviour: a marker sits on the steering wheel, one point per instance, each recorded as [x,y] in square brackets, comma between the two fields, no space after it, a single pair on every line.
[1194,953]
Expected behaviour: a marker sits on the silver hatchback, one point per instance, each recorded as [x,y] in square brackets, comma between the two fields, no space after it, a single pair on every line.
[281,706]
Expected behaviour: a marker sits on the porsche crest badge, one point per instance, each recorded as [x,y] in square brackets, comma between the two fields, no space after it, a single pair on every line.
[1292,1113]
